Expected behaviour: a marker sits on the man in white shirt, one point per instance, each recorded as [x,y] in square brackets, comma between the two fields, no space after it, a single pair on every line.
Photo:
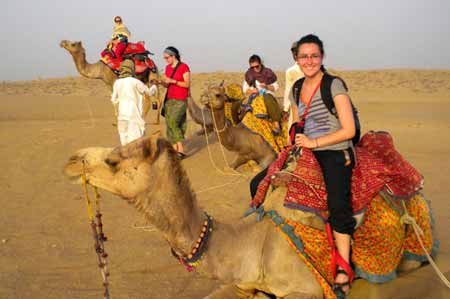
[293,73]
[127,98]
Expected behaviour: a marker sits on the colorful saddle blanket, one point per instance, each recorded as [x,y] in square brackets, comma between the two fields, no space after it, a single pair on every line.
[379,244]
[379,168]
[136,52]
[257,121]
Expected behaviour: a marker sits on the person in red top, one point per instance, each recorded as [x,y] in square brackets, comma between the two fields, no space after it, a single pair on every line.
[177,81]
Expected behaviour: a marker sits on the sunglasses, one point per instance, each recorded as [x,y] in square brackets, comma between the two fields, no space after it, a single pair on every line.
[255,67]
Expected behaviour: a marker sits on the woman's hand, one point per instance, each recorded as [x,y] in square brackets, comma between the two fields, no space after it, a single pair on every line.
[170,81]
[302,141]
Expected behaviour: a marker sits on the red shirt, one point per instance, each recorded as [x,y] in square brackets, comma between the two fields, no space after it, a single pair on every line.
[174,91]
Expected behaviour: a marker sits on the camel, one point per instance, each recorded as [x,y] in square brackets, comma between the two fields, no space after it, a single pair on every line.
[264,261]
[101,71]
[264,264]
[249,146]
[97,70]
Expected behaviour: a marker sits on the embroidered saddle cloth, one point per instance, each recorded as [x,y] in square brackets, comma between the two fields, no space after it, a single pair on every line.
[379,168]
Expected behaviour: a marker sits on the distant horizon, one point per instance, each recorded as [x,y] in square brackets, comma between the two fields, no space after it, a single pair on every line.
[220,36]
[220,71]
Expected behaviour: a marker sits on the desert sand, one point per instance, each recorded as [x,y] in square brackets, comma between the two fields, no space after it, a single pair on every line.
[46,248]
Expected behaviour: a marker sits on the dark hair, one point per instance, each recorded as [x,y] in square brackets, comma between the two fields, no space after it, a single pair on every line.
[255,58]
[175,51]
[311,39]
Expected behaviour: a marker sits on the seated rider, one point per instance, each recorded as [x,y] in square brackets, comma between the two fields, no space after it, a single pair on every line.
[116,47]
[262,80]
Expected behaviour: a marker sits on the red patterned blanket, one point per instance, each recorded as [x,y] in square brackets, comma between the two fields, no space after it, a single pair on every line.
[379,168]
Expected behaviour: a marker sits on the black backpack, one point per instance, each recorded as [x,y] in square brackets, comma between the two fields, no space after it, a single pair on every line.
[325,91]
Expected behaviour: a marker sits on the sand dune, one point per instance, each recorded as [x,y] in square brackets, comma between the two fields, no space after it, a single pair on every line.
[46,249]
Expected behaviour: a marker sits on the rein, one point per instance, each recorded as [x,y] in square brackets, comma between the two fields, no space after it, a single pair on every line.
[97,231]
[192,260]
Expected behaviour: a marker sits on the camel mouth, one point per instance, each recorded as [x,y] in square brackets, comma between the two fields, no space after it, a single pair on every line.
[73,170]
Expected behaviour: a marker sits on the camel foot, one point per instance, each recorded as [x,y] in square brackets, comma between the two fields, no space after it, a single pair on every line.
[408,265]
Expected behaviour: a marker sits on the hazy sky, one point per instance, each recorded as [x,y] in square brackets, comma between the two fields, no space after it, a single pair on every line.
[220,35]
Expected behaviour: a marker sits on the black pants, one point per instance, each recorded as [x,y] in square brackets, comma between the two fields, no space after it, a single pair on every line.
[337,176]
[254,183]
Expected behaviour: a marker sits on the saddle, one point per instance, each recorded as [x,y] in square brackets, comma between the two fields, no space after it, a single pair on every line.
[379,168]
[136,52]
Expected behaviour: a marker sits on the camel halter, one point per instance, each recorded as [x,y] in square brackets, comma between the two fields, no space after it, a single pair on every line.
[235,173]
[97,231]
[192,260]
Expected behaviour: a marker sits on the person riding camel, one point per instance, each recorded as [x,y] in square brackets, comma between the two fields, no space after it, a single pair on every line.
[118,44]
[262,80]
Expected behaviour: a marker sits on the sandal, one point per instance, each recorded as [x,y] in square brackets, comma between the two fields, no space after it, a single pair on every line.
[338,287]
[337,261]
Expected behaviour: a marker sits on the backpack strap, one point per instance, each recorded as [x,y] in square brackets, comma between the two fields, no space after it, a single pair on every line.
[296,88]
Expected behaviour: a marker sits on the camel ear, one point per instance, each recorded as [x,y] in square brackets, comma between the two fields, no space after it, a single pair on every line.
[153,146]
[222,83]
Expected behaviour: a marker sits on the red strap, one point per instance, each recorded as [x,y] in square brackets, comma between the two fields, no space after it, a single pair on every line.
[308,104]
[336,258]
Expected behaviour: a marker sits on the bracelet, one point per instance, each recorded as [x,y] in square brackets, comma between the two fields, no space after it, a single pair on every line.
[317,142]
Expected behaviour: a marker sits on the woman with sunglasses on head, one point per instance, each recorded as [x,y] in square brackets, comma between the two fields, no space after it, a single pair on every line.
[177,82]
[262,80]
[330,139]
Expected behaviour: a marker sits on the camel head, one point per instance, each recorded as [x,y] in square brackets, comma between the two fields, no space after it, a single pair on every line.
[214,97]
[72,47]
[126,171]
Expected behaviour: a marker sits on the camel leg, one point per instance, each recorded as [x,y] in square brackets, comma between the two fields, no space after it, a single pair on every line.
[300,296]
[230,291]
[266,161]
[238,161]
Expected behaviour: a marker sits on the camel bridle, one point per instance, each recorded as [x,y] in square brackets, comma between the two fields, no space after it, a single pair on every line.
[97,230]
[208,97]
[192,260]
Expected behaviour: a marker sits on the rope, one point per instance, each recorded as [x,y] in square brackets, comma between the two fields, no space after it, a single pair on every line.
[91,115]
[408,219]
[221,147]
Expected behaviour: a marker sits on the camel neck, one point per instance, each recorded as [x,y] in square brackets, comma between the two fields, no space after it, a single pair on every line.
[83,67]
[220,121]
[173,209]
